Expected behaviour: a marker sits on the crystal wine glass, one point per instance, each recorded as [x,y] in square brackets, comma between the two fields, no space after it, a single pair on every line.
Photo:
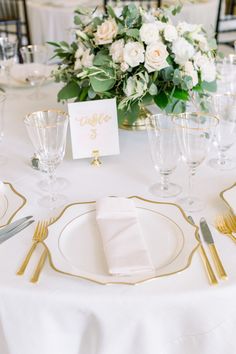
[164,151]
[224,107]
[47,131]
[36,58]
[195,133]
[8,53]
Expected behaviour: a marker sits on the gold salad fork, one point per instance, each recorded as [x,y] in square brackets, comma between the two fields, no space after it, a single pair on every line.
[40,234]
[226,224]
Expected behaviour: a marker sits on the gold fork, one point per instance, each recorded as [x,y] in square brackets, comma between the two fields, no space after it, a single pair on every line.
[42,259]
[226,224]
[39,234]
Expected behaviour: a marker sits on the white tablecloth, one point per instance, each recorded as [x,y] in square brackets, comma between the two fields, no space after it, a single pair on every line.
[52,21]
[179,314]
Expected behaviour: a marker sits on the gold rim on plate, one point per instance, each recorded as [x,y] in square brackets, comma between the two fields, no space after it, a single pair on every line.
[223,198]
[149,278]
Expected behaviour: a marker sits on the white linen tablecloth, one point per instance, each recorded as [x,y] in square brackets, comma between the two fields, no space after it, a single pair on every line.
[179,314]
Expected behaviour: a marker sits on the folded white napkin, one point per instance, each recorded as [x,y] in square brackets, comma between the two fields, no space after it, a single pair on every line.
[123,243]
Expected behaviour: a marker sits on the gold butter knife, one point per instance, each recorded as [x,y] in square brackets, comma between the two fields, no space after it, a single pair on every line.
[206,233]
[209,271]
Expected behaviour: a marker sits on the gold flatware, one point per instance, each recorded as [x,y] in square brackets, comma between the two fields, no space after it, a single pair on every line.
[207,265]
[206,233]
[39,234]
[39,267]
[42,259]
[226,224]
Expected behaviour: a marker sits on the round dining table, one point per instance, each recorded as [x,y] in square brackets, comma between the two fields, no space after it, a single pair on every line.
[61,314]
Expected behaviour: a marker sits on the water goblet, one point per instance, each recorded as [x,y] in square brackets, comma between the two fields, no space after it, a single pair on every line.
[47,131]
[164,151]
[226,69]
[224,107]
[195,133]
[35,58]
[8,56]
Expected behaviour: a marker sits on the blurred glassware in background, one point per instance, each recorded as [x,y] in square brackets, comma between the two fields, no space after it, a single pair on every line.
[224,107]
[47,131]
[2,120]
[195,132]
[35,58]
[8,57]
[226,69]
[164,152]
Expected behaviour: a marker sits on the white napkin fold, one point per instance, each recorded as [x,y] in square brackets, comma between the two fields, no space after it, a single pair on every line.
[123,243]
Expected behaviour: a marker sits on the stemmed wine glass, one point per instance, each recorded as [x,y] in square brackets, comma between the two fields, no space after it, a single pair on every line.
[36,58]
[164,151]
[8,54]
[224,107]
[47,131]
[195,132]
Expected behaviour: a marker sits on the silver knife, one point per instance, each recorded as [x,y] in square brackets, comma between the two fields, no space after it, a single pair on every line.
[13,232]
[14,225]
[205,260]
[206,233]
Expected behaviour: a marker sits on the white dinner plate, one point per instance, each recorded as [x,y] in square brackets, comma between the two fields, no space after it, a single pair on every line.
[75,245]
[18,76]
[10,203]
[229,197]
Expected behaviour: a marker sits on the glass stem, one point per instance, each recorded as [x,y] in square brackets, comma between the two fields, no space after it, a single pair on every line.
[51,179]
[192,172]
[164,181]
[221,157]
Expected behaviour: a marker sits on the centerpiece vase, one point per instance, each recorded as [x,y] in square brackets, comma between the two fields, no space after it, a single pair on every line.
[139,124]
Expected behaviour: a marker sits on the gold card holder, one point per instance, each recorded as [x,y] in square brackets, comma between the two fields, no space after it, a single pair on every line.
[96,161]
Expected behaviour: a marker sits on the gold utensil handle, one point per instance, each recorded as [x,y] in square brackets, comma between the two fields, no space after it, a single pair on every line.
[27,259]
[209,270]
[219,267]
[39,267]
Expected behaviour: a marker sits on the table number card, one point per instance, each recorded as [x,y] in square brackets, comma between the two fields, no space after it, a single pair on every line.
[94,127]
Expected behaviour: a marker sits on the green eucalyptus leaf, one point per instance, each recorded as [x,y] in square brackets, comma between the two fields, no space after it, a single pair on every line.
[101,59]
[77,20]
[111,12]
[161,100]
[133,32]
[101,85]
[181,94]
[71,90]
[152,89]
[209,86]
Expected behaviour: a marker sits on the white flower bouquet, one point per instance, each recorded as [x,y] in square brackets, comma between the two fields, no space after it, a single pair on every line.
[137,57]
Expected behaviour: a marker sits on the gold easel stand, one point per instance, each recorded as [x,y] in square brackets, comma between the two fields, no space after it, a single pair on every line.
[96,161]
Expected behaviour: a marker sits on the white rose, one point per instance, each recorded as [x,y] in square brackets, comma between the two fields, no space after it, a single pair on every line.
[77,64]
[202,41]
[79,52]
[135,86]
[117,51]
[106,32]
[206,66]
[189,70]
[149,33]
[184,27]
[87,59]
[133,53]
[155,57]
[183,51]
[170,33]
[124,67]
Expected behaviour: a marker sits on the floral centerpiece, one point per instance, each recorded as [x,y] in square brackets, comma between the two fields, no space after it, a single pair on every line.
[137,57]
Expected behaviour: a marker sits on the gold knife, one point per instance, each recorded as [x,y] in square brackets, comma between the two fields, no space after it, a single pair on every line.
[205,260]
[206,233]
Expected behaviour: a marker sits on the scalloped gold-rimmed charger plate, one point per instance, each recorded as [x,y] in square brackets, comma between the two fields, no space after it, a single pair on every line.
[228,195]
[11,202]
[75,246]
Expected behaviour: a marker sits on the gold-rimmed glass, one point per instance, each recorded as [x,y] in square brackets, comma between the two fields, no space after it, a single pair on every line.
[195,133]
[47,131]
[164,152]
[224,107]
